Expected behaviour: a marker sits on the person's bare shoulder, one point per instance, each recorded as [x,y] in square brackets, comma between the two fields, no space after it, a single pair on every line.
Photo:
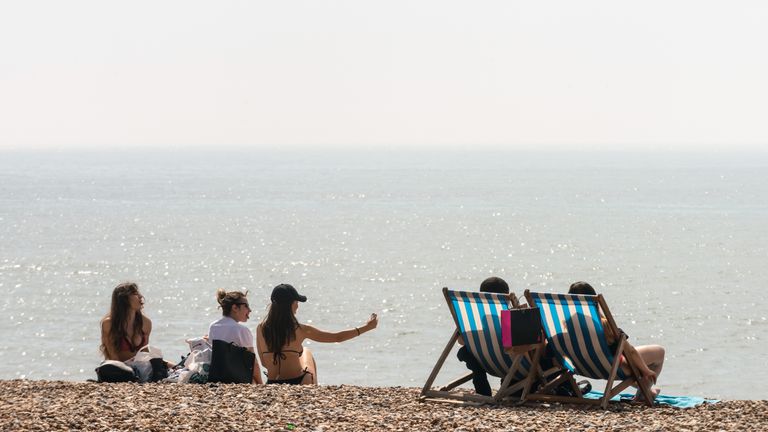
[305,330]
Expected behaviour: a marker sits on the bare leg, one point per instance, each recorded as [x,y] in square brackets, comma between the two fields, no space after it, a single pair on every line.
[653,357]
[308,362]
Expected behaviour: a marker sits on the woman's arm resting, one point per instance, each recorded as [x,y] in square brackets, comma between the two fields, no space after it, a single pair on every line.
[108,351]
[147,328]
[645,371]
[256,368]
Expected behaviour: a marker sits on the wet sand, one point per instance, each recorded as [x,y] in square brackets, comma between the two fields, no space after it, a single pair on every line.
[56,405]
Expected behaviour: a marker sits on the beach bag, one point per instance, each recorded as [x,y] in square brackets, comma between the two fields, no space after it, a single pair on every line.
[198,362]
[112,371]
[159,369]
[231,363]
[197,344]
[142,363]
[521,326]
[199,353]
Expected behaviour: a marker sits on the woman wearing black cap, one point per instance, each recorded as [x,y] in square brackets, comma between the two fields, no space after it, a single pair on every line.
[279,339]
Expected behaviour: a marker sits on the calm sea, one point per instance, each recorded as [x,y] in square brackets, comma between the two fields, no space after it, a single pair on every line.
[675,242]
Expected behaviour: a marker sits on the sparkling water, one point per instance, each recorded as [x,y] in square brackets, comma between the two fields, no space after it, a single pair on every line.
[675,242]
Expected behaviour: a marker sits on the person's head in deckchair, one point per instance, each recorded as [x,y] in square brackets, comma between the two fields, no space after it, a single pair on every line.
[581,288]
[494,285]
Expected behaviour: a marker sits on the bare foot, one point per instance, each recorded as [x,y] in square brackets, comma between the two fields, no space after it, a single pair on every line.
[640,398]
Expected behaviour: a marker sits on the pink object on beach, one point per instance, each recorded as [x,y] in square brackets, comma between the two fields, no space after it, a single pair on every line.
[506,328]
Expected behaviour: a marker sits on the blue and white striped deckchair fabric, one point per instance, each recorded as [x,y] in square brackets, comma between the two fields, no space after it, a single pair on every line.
[575,331]
[478,317]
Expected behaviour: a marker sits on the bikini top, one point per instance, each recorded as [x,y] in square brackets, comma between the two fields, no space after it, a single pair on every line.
[280,356]
[126,345]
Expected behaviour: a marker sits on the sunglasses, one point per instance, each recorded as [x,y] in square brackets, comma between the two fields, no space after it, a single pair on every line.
[244,304]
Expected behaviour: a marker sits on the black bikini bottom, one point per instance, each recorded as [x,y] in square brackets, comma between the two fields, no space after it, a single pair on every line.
[293,381]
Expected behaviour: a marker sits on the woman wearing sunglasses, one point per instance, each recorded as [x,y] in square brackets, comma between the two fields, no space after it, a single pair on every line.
[235,310]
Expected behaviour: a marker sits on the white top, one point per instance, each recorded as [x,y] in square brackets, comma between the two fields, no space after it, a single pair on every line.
[229,330]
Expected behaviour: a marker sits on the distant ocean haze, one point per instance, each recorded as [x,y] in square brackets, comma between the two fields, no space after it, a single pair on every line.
[675,242]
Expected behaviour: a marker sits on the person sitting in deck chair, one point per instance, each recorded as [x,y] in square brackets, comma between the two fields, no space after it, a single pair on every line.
[479,375]
[650,357]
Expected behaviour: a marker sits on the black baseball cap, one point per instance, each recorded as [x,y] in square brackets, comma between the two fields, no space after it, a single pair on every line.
[285,293]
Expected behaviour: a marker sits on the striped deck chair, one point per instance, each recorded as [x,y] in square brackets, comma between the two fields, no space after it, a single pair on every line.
[575,332]
[478,322]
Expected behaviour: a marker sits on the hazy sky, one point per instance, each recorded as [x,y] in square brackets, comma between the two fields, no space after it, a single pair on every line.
[551,74]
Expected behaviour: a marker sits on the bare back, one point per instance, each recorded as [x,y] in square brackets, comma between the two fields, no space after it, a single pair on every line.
[288,363]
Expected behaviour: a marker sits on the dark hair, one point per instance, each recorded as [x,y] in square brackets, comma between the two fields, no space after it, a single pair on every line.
[494,285]
[581,288]
[118,316]
[279,327]
[228,299]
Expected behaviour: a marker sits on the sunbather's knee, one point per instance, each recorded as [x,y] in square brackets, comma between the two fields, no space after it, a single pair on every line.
[652,354]
[658,351]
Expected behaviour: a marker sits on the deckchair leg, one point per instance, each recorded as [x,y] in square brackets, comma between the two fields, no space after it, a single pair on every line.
[534,372]
[621,387]
[440,362]
[502,392]
[611,392]
[641,385]
[457,382]
[614,370]
[554,383]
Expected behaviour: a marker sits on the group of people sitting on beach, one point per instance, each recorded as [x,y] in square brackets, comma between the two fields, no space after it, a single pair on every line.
[279,337]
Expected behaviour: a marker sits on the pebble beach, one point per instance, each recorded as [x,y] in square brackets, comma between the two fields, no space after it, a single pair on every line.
[56,405]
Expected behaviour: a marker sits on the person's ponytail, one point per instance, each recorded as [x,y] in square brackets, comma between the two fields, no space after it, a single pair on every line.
[220,295]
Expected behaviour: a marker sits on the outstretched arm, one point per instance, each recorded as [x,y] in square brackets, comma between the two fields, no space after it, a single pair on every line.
[318,335]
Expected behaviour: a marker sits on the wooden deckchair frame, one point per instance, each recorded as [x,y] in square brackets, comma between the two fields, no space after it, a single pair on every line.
[610,390]
[444,394]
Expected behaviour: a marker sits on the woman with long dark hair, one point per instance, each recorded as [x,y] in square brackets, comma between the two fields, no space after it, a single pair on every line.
[125,329]
[280,336]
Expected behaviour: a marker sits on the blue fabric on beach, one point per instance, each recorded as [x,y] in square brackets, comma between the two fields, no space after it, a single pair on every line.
[479,320]
[675,401]
[575,331]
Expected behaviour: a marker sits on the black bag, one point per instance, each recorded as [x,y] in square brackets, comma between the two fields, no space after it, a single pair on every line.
[525,326]
[159,369]
[231,363]
[112,371]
